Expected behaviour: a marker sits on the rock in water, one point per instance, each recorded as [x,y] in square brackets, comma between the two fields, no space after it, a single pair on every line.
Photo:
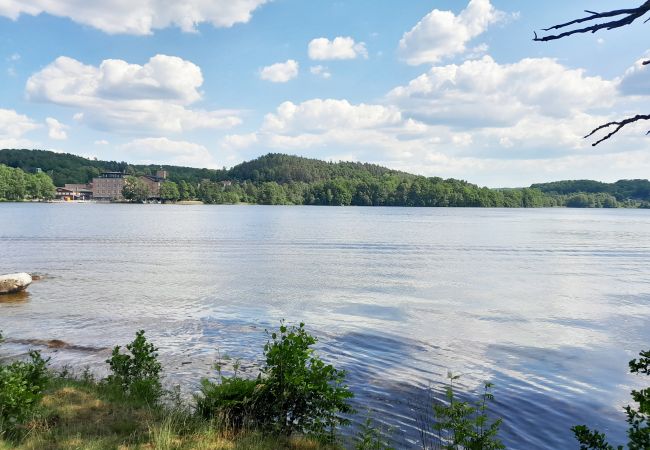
[15,282]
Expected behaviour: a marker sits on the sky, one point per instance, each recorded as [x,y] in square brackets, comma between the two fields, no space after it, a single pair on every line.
[456,89]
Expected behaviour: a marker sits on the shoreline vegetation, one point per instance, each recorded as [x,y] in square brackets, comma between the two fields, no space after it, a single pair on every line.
[278,179]
[297,401]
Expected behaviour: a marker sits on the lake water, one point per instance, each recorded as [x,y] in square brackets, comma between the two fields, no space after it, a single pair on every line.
[547,304]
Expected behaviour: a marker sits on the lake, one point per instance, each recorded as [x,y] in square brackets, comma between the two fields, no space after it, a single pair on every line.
[548,304]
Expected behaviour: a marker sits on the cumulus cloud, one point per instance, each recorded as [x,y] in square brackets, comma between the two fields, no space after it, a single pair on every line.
[319,115]
[339,48]
[280,72]
[480,120]
[636,80]
[332,127]
[485,93]
[139,17]
[56,130]
[320,71]
[442,34]
[13,127]
[118,96]
[161,150]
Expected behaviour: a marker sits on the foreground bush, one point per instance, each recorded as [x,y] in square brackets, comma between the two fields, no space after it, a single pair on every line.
[230,399]
[638,419]
[295,392]
[299,392]
[459,425]
[21,389]
[136,373]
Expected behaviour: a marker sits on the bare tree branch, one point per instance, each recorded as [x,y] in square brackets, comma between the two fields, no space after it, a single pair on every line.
[619,126]
[629,16]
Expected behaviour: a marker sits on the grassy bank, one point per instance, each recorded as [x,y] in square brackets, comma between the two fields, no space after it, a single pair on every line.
[77,414]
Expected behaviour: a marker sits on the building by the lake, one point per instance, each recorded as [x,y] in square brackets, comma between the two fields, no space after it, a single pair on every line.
[75,192]
[108,186]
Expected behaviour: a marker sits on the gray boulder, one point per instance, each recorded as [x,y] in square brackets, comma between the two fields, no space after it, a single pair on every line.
[15,282]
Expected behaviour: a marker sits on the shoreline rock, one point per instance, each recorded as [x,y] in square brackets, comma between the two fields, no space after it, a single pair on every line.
[15,282]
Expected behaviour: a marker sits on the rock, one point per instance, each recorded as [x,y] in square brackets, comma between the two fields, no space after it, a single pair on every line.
[15,282]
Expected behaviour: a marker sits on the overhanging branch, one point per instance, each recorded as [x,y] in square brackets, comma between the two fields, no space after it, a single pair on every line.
[618,127]
[607,20]
[630,15]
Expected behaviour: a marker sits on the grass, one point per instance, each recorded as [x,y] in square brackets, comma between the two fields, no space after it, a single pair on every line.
[77,414]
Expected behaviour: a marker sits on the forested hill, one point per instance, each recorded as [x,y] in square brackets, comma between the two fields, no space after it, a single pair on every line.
[286,169]
[285,179]
[66,168]
[622,190]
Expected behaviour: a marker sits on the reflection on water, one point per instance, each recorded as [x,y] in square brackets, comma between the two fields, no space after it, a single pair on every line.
[17,297]
[547,304]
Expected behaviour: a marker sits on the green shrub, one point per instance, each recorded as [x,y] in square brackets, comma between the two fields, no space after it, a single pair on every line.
[638,419]
[371,437]
[21,389]
[136,373]
[229,399]
[458,425]
[298,392]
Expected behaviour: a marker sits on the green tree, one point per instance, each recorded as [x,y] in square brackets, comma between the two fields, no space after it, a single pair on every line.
[186,191]
[169,191]
[135,190]
[39,186]
[271,193]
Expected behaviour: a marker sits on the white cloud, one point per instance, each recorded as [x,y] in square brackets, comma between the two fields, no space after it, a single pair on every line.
[138,17]
[442,34]
[319,116]
[484,93]
[491,123]
[636,80]
[320,71]
[56,130]
[280,72]
[118,96]
[13,126]
[339,48]
[160,150]
[331,128]
[101,142]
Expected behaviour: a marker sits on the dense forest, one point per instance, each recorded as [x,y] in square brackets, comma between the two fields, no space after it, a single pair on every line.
[277,179]
[66,168]
[622,190]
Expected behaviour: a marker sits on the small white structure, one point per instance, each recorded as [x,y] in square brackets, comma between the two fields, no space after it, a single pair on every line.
[15,282]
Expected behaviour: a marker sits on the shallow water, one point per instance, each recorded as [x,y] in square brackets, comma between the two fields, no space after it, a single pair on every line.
[547,304]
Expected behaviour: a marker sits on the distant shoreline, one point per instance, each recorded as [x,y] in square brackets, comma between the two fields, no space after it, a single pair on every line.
[200,203]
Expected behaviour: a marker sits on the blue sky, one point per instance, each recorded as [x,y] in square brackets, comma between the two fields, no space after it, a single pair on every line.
[445,88]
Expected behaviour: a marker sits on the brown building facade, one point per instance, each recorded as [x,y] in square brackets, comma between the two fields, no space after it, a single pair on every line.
[108,186]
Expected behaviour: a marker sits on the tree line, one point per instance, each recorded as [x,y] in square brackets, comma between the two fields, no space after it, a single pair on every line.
[278,179]
[17,185]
